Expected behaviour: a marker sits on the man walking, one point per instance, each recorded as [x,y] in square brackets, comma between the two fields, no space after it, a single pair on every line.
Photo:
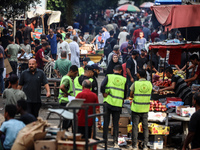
[62,46]
[31,81]
[1,69]
[75,52]
[52,39]
[62,65]
[12,51]
[114,90]
[89,97]
[140,107]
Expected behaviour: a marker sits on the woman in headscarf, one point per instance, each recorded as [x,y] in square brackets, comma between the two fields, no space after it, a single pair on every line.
[114,61]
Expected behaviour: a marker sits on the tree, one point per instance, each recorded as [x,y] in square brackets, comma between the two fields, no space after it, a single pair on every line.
[14,8]
[71,8]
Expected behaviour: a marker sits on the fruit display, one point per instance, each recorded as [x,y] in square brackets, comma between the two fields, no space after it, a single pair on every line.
[165,83]
[158,76]
[157,106]
[182,74]
[164,92]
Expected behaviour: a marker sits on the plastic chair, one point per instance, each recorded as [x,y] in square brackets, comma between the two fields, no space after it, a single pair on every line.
[65,114]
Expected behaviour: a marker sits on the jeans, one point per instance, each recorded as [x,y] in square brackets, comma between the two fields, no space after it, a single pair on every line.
[54,56]
[1,80]
[34,108]
[136,117]
[115,119]
[13,64]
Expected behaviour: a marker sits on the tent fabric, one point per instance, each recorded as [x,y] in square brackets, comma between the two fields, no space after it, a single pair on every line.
[175,57]
[177,16]
[189,47]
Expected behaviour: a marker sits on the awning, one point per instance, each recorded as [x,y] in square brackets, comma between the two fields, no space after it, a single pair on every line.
[177,16]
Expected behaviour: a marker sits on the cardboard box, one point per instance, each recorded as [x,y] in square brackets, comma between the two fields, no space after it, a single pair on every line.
[122,130]
[129,128]
[156,129]
[178,109]
[68,145]
[123,121]
[45,145]
[187,112]
[155,142]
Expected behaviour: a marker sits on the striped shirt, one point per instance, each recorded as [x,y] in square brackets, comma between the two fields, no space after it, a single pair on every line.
[181,89]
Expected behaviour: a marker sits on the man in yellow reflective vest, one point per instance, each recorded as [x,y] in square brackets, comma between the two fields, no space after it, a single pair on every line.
[141,90]
[66,89]
[88,75]
[81,69]
[114,91]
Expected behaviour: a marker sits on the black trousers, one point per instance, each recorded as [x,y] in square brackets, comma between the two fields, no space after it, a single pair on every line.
[34,108]
[115,119]
[81,129]
[13,65]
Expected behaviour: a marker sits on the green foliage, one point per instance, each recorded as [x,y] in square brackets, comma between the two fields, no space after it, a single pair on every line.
[15,7]
[75,7]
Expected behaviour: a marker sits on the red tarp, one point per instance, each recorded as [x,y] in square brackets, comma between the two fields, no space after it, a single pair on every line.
[175,51]
[177,16]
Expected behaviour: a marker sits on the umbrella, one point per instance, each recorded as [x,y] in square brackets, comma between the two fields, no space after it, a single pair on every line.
[146,5]
[128,8]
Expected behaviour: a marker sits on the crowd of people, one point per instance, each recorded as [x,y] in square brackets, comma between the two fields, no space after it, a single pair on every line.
[123,40]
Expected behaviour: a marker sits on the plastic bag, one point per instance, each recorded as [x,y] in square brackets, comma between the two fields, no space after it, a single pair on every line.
[103,65]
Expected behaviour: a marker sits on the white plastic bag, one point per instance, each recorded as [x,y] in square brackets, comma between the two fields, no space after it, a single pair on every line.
[103,65]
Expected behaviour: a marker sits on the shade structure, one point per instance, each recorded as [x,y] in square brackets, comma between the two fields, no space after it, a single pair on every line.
[128,8]
[146,5]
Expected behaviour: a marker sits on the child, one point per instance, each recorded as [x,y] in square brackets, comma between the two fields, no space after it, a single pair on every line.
[12,94]
[10,127]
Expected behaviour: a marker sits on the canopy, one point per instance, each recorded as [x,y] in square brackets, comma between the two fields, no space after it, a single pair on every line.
[39,11]
[146,5]
[177,16]
[164,2]
[128,8]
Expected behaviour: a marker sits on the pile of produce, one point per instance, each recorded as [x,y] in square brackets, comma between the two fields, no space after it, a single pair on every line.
[157,106]
[182,74]
[164,92]
[165,83]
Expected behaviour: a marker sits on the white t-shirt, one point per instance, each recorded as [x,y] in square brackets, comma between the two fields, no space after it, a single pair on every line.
[64,46]
[122,37]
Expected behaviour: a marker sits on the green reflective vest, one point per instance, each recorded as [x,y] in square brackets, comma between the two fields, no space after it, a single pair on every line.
[61,97]
[80,71]
[142,95]
[78,87]
[115,90]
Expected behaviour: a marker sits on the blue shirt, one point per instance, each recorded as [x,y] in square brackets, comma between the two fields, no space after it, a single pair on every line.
[105,36]
[53,43]
[147,32]
[11,129]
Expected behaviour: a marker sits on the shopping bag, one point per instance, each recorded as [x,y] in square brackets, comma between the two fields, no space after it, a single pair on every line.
[30,133]
[7,66]
[103,65]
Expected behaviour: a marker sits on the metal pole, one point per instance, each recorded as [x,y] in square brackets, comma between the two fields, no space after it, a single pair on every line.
[94,123]
[74,133]
[106,130]
[86,128]
[151,64]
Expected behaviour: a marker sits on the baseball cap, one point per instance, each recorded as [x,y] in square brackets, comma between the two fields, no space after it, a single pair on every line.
[87,67]
[124,28]
[130,42]
[69,27]
[86,59]
[95,66]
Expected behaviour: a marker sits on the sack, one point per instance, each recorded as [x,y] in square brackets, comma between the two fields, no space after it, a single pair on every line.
[7,66]
[103,65]
[29,134]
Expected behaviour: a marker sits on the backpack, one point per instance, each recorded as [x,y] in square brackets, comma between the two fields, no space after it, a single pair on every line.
[108,48]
